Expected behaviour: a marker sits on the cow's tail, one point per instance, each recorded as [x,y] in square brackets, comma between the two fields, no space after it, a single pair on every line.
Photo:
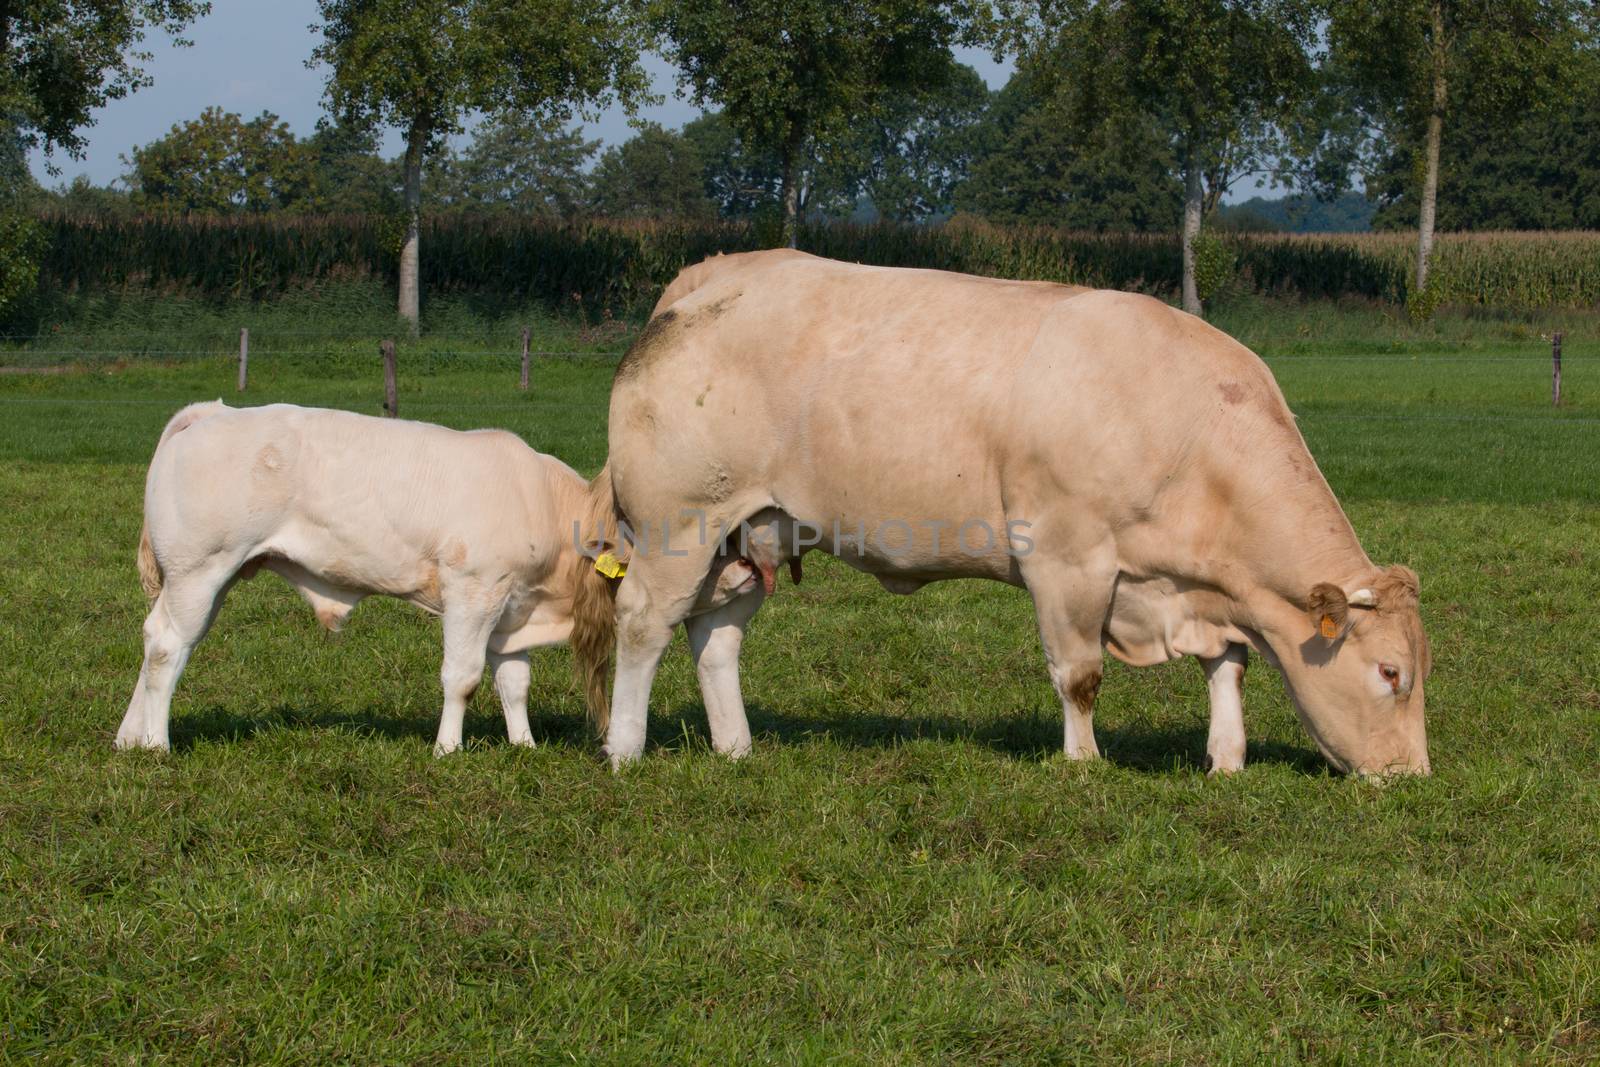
[594,597]
[149,567]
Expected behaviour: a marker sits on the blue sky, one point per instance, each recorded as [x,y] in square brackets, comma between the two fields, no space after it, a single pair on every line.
[250,56]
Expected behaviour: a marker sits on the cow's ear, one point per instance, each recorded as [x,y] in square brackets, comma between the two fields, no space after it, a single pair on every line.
[1328,609]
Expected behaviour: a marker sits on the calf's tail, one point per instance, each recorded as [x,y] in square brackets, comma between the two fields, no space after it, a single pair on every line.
[149,568]
[150,577]
[594,598]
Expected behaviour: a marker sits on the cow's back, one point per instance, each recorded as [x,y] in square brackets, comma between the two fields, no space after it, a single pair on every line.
[844,392]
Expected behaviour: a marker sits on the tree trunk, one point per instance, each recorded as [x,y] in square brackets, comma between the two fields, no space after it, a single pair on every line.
[1193,203]
[410,284]
[1428,209]
[791,185]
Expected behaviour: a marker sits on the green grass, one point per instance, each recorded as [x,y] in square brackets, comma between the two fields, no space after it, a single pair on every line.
[903,871]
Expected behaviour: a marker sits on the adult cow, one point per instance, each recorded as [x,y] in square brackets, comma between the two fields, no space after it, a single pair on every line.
[1136,470]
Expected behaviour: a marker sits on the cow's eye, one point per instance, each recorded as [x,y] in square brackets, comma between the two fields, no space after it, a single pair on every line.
[1391,674]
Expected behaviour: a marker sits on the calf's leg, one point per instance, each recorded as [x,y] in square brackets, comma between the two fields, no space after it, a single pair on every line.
[511,683]
[1225,684]
[715,638]
[178,619]
[466,639]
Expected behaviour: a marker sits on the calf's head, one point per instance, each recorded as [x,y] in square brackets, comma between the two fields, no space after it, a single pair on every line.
[1357,677]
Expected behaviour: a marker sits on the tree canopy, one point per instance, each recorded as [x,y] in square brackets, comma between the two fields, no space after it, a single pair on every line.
[657,173]
[526,164]
[1411,67]
[220,163]
[62,59]
[795,77]
[1537,171]
[1034,165]
[1214,76]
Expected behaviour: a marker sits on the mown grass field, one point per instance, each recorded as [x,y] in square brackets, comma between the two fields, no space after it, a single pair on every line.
[902,872]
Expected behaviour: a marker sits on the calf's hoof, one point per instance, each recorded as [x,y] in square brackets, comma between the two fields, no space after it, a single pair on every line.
[618,759]
[128,744]
[1224,763]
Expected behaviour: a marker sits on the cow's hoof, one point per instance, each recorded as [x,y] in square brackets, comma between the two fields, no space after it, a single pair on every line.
[441,750]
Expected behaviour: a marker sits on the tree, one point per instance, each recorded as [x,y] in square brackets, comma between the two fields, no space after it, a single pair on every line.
[219,163]
[656,173]
[1214,75]
[1406,61]
[21,238]
[1346,213]
[1540,171]
[739,178]
[59,61]
[82,198]
[423,65]
[794,77]
[1033,165]
[62,59]
[916,150]
[348,174]
[527,164]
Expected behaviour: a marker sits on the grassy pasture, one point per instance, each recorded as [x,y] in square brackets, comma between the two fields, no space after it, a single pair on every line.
[903,872]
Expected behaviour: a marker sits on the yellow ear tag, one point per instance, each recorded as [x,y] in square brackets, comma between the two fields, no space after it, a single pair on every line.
[610,565]
[1330,629]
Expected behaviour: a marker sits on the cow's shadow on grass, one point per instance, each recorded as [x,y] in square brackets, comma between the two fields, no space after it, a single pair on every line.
[482,727]
[1150,747]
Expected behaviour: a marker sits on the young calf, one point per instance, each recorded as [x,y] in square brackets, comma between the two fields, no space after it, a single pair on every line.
[475,527]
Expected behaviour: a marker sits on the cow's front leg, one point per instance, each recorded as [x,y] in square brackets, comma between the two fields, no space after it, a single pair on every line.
[511,683]
[466,639]
[1225,684]
[1070,602]
[658,593]
[715,638]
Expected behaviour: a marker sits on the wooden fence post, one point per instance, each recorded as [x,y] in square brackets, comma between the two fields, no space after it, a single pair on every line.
[526,334]
[1555,361]
[391,394]
[244,356]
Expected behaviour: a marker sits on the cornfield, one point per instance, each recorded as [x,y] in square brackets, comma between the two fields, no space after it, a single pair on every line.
[622,265]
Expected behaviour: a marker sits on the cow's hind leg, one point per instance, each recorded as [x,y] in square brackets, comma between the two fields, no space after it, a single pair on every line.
[715,638]
[657,594]
[1070,602]
[511,674]
[177,621]
[1225,684]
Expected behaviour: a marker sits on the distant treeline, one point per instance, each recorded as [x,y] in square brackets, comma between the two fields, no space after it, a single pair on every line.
[622,266]
[1001,156]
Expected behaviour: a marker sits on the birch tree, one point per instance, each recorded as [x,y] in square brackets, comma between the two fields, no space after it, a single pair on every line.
[1215,76]
[424,66]
[1404,62]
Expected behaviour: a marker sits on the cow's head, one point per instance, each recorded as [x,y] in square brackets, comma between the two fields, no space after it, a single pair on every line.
[1357,676]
